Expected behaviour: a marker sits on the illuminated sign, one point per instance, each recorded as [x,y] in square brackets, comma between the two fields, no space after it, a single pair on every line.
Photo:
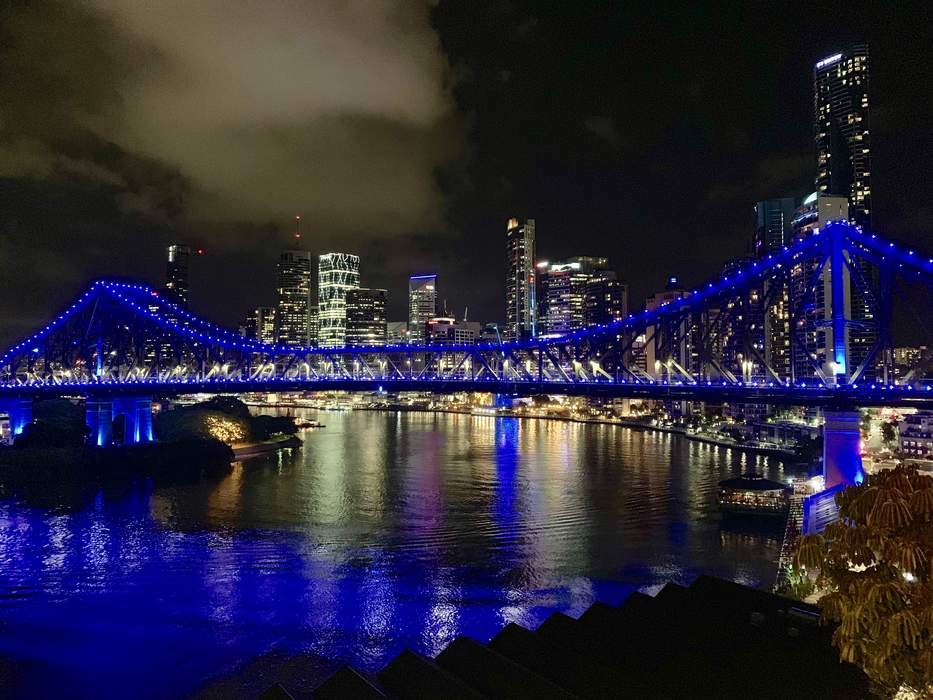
[828,61]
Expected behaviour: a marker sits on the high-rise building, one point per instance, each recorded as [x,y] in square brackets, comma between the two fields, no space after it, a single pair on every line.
[259,324]
[366,317]
[293,300]
[176,273]
[422,305]
[562,293]
[812,334]
[681,357]
[606,298]
[444,330]
[774,229]
[773,226]
[397,333]
[337,273]
[520,284]
[841,130]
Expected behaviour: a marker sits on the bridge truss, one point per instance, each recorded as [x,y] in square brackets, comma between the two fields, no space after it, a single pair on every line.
[833,293]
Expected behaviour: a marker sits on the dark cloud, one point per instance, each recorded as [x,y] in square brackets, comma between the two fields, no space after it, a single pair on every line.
[124,125]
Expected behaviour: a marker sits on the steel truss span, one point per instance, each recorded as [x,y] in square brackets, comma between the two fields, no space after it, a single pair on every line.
[120,338]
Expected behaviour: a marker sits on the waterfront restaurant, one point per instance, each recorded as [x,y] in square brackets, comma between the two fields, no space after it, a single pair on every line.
[753,494]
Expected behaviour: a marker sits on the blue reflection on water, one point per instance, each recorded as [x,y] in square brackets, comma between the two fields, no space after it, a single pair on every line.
[383,532]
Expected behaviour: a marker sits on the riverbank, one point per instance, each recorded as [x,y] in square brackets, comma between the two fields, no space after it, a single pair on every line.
[242,450]
[786,455]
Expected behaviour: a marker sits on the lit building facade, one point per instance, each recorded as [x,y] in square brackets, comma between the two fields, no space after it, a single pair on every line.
[521,313]
[448,331]
[773,226]
[397,333]
[337,274]
[606,298]
[562,293]
[682,357]
[422,305]
[259,324]
[177,281]
[841,130]
[293,298]
[915,436]
[366,317]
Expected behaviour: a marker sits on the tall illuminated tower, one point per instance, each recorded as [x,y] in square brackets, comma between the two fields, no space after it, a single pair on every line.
[293,304]
[337,273]
[841,130]
[176,273]
[521,306]
[422,305]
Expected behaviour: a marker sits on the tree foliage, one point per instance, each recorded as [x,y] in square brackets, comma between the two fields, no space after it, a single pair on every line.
[876,562]
[888,432]
[55,423]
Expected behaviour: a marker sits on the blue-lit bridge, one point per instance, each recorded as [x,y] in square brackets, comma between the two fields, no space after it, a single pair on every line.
[119,344]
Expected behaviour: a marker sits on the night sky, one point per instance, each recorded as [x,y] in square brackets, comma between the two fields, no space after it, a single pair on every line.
[408,133]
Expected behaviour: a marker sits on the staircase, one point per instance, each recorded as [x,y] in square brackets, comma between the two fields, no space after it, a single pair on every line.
[714,639]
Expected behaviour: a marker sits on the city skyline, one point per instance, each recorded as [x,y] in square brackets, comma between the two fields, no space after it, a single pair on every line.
[680,187]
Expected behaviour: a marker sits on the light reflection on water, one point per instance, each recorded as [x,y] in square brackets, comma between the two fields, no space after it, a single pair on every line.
[384,531]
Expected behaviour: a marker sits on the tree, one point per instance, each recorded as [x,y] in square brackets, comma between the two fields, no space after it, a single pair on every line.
[55,423]
[875,562]
[888,432]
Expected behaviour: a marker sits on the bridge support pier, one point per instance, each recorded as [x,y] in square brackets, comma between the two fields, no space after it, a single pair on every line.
[842,454]
[99,417]
[842,467]
[19,411]
[137,419]
[137,412]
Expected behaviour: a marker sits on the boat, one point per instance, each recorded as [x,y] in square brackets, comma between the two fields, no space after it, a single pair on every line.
[753,494]
[308,423]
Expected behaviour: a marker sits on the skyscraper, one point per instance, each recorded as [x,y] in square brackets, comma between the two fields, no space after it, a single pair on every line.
[176,273]
[841,130]
[366,317]
[606,298]
[562,297]
[422,304]
[337,273]
[521,308]
[773,226]
[259,324]
[293,305]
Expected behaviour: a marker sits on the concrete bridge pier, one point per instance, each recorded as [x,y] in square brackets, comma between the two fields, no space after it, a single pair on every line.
[137,413]
[842,467]
[137,416]
[99,416]
[842,454]
[19,411]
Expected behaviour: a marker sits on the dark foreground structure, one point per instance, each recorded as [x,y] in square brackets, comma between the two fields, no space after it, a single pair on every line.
[715,639]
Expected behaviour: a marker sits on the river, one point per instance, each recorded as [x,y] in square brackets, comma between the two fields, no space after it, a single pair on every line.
[384,531]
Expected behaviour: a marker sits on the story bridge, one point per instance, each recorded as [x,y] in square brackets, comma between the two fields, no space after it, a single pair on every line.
[809,325]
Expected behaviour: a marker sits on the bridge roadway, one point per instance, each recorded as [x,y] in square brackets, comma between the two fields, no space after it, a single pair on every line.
[837,397]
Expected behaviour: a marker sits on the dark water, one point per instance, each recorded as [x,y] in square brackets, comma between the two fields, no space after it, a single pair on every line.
[384,531]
